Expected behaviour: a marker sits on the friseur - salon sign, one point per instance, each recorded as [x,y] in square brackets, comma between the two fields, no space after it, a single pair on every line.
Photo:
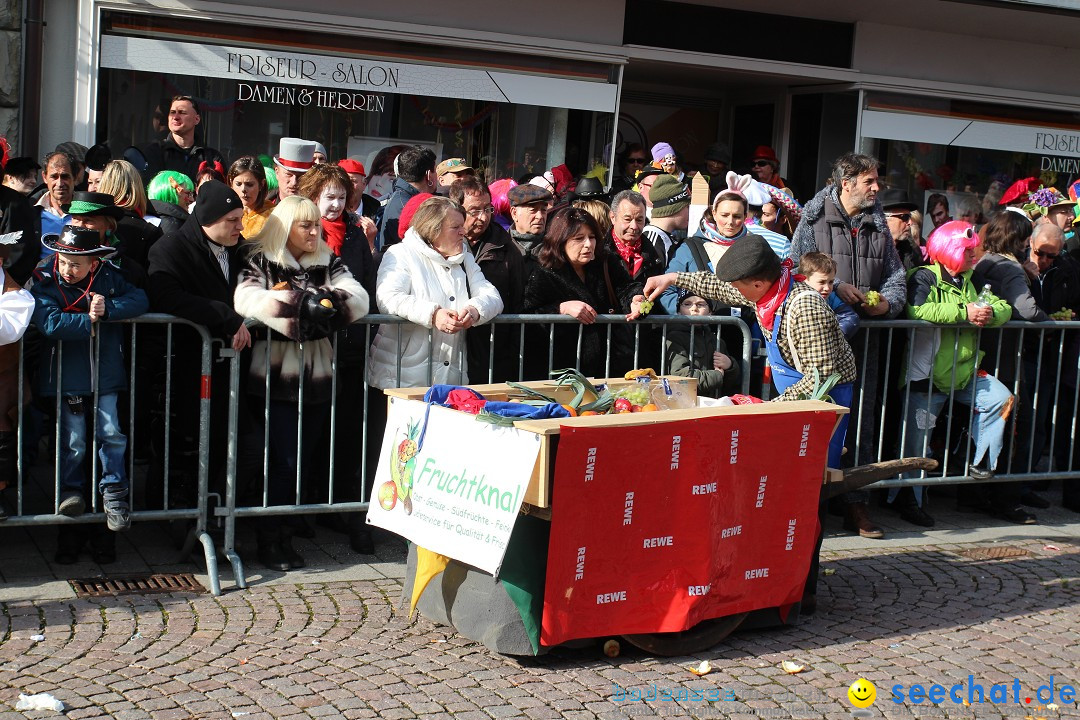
[355,76]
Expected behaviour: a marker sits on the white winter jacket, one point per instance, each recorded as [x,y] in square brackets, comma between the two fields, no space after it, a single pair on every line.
[414,279]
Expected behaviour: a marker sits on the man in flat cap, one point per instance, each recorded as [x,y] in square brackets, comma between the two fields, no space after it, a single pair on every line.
[802,334]
[529,207]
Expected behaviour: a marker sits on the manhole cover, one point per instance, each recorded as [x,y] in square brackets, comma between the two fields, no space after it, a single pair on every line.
[137,585]
[1000,552]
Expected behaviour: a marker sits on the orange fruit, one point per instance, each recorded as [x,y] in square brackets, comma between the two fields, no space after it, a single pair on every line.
[570,409]
[651,407]
[589,413]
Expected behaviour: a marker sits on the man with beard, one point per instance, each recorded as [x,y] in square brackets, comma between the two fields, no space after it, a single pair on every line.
[845,221]
[504,267]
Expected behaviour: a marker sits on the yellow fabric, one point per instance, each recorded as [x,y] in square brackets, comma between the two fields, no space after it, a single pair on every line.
[428,565]
[254,220]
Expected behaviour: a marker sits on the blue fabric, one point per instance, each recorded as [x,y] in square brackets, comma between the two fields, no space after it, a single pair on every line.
[845,315]
[524,410]
[122,301]
[51,225]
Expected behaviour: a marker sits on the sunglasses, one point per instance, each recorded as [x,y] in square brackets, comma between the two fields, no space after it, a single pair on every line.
[636,161]
[903,217]
[1047,255]
[761,163]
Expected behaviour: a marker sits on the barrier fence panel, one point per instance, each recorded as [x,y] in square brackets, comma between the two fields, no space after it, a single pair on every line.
[1037,363]
[254,491]
[150,433]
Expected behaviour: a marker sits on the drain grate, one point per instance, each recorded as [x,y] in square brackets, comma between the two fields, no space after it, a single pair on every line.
[1001,552]
[136,585]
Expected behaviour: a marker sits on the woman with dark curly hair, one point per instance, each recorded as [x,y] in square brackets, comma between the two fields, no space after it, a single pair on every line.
[577,277]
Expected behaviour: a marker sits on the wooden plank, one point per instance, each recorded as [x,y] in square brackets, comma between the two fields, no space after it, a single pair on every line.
[551,426]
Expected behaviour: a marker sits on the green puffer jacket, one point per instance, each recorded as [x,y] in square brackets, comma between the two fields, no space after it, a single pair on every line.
[948,361]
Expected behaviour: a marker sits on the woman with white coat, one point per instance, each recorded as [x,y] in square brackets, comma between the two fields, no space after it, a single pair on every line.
[433,281]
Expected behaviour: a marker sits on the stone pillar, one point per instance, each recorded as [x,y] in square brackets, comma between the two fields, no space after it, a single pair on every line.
[10,70]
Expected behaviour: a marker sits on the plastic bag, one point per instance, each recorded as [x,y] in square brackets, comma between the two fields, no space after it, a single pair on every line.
[41,701]
[671,394]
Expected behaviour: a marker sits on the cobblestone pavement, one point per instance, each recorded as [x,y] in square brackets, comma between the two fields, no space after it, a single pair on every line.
[893,615]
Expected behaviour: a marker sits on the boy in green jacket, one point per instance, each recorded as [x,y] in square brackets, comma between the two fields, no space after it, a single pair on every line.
[943,362]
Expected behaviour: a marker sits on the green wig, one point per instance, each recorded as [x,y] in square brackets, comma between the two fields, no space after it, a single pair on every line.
[161,186]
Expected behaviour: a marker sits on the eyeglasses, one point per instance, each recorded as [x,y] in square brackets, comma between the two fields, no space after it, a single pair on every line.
[903,217]
[636,161]
[761,163]
[477,212]
[1047,255]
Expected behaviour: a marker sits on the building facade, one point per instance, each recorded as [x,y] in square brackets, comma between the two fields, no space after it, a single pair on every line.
[954,97]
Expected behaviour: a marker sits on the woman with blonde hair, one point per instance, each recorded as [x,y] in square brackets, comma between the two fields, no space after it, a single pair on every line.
[134,234]
[303,294]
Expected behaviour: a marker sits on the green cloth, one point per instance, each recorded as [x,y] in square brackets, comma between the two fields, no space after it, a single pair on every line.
[524,570]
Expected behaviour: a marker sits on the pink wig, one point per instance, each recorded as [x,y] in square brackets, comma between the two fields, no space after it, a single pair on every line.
[498,190]
[947,244]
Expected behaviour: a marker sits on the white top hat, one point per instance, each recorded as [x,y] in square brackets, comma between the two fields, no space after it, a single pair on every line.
[295,154]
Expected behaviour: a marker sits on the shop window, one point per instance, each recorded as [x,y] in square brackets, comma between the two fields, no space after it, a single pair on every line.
[319,87]
[968,152]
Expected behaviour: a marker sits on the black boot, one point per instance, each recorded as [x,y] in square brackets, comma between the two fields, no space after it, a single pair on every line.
[360,539]
[292,557]
[69,543]
[271,555]
[8,467]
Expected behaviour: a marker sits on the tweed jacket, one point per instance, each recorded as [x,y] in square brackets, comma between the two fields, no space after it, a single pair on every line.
[809,336]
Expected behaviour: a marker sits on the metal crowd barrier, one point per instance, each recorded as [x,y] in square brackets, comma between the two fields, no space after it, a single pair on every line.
[1037,362]
[31,494]
[1044,381]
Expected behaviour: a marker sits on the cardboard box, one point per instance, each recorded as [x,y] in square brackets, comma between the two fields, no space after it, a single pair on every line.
[539,491]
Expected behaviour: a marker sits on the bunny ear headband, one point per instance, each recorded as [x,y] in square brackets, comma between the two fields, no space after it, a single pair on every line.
[743,186]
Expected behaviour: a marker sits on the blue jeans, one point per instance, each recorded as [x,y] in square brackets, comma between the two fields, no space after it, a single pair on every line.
[112,444]
[991,399]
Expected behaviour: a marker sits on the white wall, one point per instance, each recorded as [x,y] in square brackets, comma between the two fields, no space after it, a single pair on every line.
[949,57]
[591,21]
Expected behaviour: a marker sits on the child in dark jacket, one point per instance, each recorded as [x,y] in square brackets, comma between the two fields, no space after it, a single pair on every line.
[706,357]
[73,292]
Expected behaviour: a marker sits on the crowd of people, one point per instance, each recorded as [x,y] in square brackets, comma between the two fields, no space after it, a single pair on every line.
[276,258]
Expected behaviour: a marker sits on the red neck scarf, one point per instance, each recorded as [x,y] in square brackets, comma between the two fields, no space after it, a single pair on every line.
[631,254]
[334,233]
[775,296]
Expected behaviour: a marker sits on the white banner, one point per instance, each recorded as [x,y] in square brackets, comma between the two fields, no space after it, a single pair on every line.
[363,78]
[939,130]
[450,483]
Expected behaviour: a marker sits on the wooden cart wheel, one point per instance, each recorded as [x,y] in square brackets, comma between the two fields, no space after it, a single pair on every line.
[702,636]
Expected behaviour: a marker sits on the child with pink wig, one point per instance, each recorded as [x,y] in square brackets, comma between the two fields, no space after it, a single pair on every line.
[501,202]
[944,362]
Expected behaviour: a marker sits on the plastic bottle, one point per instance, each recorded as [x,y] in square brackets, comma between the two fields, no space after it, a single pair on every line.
[984,297]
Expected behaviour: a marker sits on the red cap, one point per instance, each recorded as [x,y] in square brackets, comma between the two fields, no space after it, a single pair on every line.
[407,212]
[764,152]
[352,166]
[1019,190]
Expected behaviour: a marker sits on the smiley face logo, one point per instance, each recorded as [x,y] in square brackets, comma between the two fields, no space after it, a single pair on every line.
[862,693]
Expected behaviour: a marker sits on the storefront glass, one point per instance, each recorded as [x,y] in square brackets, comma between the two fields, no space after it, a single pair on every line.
[506,115]
[969,152]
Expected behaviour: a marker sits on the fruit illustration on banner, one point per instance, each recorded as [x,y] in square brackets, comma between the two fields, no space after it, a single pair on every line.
[402,469]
